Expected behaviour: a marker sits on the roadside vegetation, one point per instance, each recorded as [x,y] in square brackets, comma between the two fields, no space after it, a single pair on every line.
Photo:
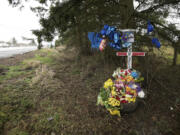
[55,92]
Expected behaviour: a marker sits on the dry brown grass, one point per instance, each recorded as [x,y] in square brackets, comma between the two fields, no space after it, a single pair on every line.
[29,64]
[43,73]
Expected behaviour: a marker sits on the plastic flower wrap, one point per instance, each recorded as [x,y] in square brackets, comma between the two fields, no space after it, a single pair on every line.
[123,89]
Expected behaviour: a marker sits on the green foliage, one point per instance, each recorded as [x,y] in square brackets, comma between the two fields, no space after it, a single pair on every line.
[104,94]
[103,98]
[58,42]
[140,79]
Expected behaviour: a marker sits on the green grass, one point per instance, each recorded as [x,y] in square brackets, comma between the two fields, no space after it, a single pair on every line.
[14,104]
[12,72]
[17,131]
[15,71]
[18,96]
[167,52]
[44,59]
[44,56]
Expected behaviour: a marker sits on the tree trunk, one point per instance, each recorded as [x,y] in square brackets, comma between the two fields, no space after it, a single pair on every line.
[127,14]
[39,40]
[175,55]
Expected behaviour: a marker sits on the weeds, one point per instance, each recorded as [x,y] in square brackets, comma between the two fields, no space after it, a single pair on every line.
[53,93]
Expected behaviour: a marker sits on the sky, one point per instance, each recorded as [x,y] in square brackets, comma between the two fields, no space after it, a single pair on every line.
[16,23]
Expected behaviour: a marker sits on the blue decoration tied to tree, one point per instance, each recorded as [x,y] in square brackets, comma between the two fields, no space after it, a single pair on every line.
[95,39]
[117,41]
[116,37]
[126,44]
[103,32]
[116,46]
[150,27]
[156,42]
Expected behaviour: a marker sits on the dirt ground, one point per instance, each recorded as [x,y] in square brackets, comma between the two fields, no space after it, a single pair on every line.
[59,98]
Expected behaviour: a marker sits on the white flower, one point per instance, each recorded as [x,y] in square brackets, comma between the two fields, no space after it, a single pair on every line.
[141,94]
[171,108]
[128,96]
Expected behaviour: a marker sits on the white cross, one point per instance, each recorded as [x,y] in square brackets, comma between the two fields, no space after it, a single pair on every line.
[129,53]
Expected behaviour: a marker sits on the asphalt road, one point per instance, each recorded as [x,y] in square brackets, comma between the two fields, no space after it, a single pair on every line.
[9,52]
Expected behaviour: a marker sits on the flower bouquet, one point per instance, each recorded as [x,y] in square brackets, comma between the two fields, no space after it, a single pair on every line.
[122,91]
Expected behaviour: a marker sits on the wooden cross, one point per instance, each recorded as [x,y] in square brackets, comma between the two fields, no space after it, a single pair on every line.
[129,53]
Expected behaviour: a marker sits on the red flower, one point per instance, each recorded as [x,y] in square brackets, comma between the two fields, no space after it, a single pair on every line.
[124,101]
[129,93]
[126,73]
[117,98]
[122,78]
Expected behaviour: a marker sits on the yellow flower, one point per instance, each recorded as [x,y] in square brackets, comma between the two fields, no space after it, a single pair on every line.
[113,92]
[133,92]
[129,99]
[113,102]
[108,83]
[128,89]
[129,78]
[114,112]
